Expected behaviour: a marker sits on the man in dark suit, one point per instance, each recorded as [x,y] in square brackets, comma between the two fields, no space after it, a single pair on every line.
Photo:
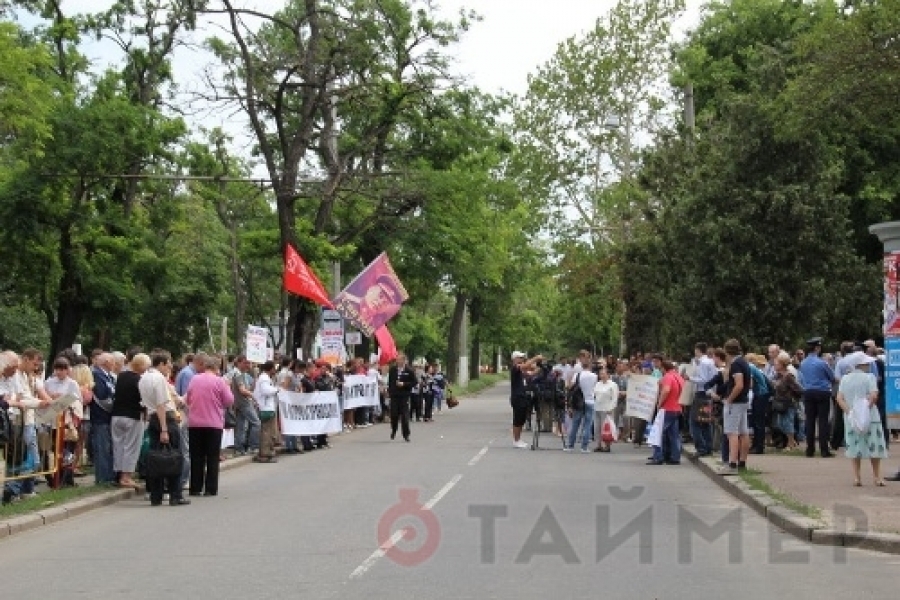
[401,379]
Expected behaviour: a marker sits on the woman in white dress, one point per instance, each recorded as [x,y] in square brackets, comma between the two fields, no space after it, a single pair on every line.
[606,397]
[859,388]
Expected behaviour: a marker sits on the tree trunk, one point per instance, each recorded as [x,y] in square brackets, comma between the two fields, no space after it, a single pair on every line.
[306,326]
[475,357]
[70,311]
[454,349]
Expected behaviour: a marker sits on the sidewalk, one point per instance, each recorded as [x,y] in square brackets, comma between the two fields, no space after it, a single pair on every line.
[828,482]
[815,500]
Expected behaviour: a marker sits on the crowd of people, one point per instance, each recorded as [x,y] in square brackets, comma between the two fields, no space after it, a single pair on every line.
[124,404]
[752,403]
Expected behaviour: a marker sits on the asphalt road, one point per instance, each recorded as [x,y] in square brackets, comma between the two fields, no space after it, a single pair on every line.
[504,523]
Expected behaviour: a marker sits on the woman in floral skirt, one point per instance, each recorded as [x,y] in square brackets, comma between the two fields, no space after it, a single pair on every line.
[856,385]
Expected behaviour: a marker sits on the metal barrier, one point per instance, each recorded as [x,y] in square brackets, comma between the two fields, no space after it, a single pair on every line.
[16,463]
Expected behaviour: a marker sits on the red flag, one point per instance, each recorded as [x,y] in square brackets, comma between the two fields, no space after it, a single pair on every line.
[386,345]
[300,280]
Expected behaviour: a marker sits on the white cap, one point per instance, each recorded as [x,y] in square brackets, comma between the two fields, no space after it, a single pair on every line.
[518,354]
[859,358]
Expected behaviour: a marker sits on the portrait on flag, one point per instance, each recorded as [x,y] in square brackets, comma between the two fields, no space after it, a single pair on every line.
[373,298]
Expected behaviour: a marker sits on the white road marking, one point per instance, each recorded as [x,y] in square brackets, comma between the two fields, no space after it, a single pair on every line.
[478,456]
[382,550]
[442,492]
[398,535]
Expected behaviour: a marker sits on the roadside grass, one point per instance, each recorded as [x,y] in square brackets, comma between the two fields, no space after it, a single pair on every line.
[484,381]
[754,479]
[48,498]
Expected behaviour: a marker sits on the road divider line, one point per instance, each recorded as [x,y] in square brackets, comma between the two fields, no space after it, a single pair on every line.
[441,493]
[478,456]
[382,550]
[398,535]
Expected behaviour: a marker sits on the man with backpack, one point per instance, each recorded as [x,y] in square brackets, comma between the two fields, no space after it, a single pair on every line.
[581,404]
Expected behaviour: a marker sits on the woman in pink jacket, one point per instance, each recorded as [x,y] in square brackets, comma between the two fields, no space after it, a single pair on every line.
[208,396]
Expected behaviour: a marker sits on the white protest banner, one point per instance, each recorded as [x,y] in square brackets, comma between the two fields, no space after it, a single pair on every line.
[256,344]
[309,414]
[640,396]
[49,414]
[360,390]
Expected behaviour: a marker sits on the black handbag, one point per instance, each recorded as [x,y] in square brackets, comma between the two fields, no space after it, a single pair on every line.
[164,461]
[6,430]
[230,419]
[780,404]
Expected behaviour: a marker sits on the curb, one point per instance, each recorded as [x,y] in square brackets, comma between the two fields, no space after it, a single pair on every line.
[74,508]
[809,530]
[55,514]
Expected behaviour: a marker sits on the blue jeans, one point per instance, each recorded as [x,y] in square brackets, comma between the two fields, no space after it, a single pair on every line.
[290,443]
[101,437]
[585,420]
[32,458]
[701,433]
[671,439]
[246,418]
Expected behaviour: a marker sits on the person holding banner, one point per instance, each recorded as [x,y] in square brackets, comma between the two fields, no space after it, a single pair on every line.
[401,379]
[670,388]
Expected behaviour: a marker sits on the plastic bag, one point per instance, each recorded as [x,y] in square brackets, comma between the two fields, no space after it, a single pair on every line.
[654,436]
[608,432]
[860,416]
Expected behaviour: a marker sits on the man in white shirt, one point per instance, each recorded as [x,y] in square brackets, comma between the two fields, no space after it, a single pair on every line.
[585,379]
[701,408]
[30,395]
[163,427]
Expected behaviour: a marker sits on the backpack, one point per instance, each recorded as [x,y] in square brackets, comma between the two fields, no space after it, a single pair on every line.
[576,395]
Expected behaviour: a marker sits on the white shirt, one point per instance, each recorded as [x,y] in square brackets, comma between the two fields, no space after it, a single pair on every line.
[28,390]
[154,389]
[587,380]
[704,371]
[55,385]
[265,393]
[606,396]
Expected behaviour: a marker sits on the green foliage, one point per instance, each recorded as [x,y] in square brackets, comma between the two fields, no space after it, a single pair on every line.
[21,326]
[752,237]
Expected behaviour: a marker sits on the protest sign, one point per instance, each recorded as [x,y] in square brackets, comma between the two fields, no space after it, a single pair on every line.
[309,414]
[256,344]
[640,397]
[360,390]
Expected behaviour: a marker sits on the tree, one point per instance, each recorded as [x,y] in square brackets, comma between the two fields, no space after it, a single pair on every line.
[87,237]
[752,229]
[581,116]
[313,68]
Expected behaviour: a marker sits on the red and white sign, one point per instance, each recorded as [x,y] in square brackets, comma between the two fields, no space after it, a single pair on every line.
[891,296]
